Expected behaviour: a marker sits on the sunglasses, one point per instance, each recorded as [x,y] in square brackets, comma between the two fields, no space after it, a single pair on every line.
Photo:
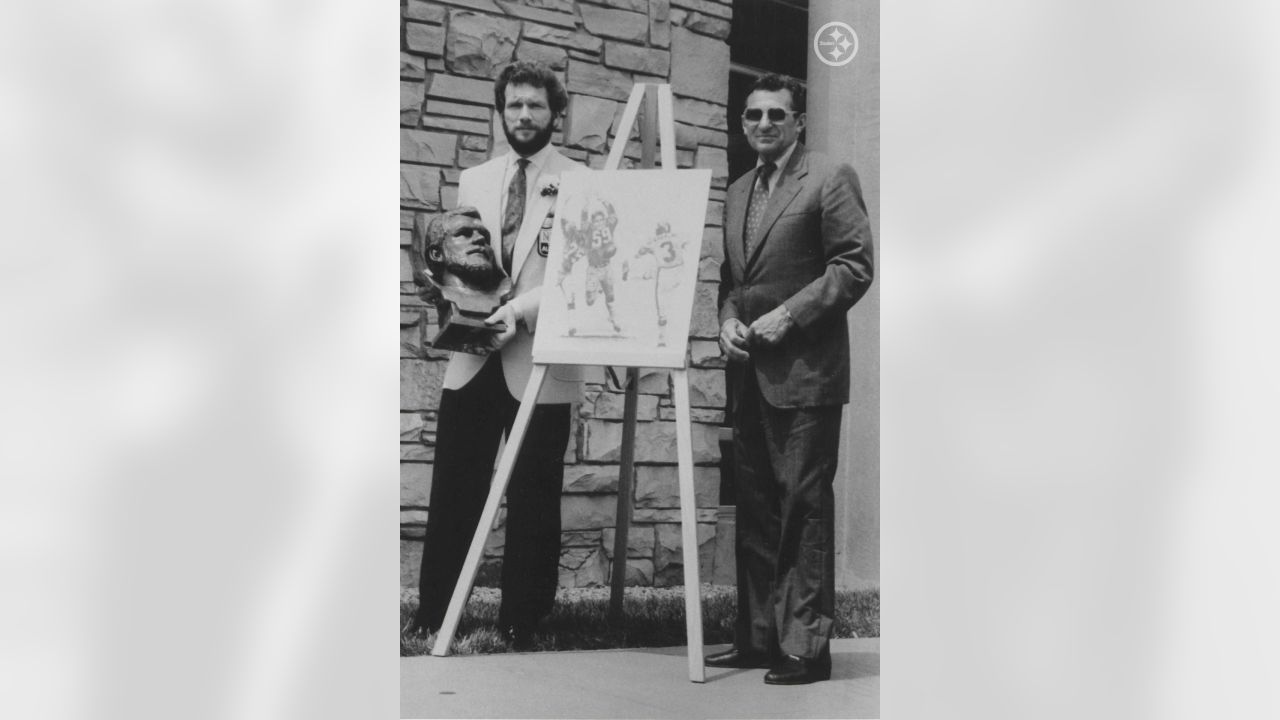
[776,115]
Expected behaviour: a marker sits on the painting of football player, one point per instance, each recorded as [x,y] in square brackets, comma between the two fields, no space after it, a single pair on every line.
[660,256]
[593,240]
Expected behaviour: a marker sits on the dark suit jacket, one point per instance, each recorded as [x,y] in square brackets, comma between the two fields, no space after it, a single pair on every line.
[816,258]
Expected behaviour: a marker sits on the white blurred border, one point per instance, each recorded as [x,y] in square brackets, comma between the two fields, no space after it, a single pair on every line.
[200,396]
[1078,360]
[199,382]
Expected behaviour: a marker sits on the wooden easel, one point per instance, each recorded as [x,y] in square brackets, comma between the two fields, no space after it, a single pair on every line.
[658,121]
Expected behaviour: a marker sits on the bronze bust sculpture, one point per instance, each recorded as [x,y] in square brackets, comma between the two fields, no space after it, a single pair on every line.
[454,264]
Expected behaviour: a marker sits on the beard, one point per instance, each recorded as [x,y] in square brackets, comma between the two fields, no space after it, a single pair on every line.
[539,141]
[478,273]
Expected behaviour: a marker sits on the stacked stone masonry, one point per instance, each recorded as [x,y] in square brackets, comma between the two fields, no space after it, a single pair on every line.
[450,52]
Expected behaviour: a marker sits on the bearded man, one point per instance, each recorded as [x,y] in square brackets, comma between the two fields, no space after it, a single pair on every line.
[482,394]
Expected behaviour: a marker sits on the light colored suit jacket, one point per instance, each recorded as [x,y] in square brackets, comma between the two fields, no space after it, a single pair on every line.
[815,256]
[482,187]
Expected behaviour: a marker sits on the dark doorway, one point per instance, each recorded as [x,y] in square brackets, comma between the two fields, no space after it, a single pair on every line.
[767,36]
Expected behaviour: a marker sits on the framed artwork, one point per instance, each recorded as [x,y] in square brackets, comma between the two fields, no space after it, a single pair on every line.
[622,268]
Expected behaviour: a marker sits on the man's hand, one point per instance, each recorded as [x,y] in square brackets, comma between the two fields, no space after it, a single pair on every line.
[733,340]
[506,315]
[770,328]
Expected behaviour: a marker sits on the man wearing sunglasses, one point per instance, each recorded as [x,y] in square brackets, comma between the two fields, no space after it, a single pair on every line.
[797,256]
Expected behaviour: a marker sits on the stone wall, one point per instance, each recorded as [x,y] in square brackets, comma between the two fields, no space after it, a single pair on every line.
[450,51]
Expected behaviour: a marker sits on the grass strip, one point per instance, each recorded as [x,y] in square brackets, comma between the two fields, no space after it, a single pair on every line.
[652,617]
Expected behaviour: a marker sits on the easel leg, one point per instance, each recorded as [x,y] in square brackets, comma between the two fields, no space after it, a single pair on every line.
[626,471]
[689,526]
[497,489]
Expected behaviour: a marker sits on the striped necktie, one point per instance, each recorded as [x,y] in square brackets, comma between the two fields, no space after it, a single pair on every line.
[759,199]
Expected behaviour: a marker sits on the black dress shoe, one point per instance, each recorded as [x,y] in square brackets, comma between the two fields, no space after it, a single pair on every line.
[793,670]
[735,658]
[418,629]
[420,625]
[520,637]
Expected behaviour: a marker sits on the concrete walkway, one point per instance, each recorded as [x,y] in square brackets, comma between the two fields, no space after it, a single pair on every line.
[634,683]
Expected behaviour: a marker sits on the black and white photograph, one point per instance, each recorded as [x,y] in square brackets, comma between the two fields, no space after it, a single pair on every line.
[756,359]
[654,492]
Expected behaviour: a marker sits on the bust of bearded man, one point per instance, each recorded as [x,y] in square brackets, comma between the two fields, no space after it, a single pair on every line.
[455,265]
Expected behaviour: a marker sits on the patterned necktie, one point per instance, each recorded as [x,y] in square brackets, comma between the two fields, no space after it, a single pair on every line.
[514,214]
[759,199]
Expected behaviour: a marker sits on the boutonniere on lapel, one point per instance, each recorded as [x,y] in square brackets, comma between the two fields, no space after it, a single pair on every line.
[550,187]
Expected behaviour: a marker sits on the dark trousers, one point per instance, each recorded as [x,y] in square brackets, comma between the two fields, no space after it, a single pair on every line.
[471,422]
[785,540]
